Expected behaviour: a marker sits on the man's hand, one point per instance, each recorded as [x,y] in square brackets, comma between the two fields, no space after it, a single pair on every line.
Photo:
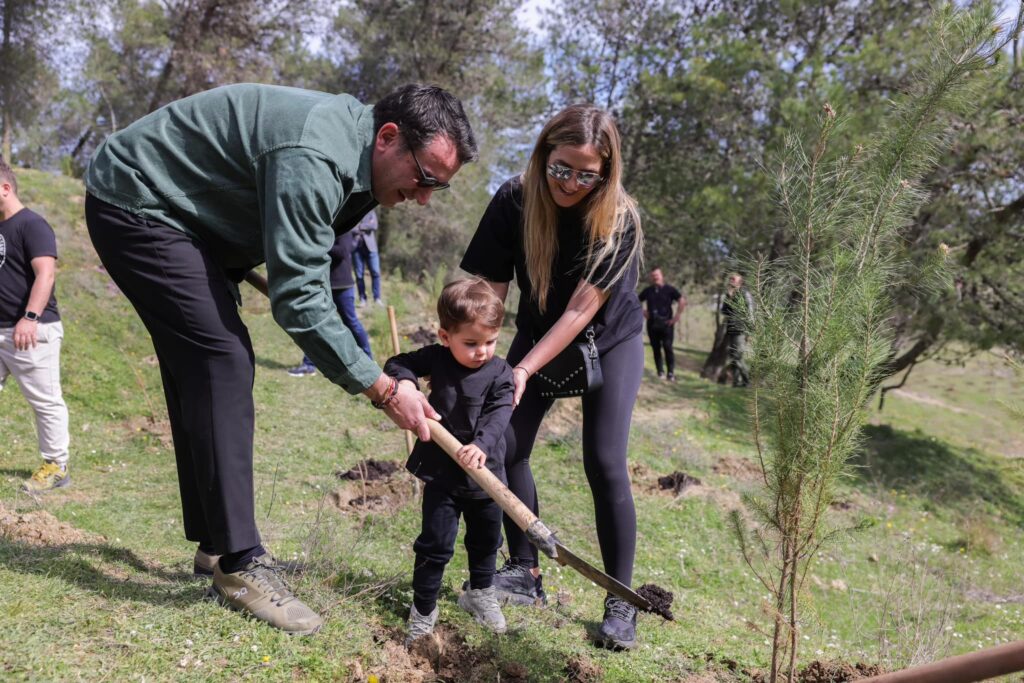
[408,409]
[25,334]
[471,456]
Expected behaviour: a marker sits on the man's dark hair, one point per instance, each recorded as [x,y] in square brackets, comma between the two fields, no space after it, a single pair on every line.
[422,112]
[7,176]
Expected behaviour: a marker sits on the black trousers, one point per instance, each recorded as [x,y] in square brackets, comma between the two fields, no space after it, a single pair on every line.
[436,543]
[206,362]
[661,342]
[607,414]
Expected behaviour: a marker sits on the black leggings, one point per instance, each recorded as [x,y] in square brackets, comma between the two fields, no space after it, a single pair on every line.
[607,414]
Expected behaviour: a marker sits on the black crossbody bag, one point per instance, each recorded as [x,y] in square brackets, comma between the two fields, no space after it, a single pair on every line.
[573,372]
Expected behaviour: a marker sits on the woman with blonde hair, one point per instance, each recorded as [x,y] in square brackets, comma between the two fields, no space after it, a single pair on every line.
[571,235]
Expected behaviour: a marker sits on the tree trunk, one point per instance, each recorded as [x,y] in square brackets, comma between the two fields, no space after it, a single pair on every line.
[5,86]
[7,140]
[714,365]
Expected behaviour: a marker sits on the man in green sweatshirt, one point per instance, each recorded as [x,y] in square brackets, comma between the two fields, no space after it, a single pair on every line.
[183,202]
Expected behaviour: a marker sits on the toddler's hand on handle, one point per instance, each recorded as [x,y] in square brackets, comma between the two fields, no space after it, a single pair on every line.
[471,456]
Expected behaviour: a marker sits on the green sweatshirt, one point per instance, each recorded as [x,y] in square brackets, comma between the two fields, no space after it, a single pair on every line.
[257,173]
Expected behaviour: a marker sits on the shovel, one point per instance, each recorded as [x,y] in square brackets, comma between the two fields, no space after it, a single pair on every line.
[539,535]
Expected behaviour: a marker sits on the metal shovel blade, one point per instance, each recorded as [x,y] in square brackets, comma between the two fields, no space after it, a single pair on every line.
[566,557]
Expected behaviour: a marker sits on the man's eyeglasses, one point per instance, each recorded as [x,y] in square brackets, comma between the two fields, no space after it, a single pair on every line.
[427,181]
[563,173]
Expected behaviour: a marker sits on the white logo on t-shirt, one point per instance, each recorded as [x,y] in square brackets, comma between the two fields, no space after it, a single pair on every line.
[3,251]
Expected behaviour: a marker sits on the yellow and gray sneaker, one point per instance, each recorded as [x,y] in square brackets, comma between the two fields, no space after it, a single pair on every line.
[261,591]
[48,477]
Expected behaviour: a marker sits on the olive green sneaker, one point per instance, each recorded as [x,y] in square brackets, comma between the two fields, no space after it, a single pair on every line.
[261,591]
[48,477]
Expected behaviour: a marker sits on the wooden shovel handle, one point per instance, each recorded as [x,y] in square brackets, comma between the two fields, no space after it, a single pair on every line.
[499,493]
[259,282]
[393,324]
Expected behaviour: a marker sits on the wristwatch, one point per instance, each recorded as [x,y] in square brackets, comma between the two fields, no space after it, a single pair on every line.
[32,315]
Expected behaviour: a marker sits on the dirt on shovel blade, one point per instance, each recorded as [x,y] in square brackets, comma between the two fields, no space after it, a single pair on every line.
[371,470]
[660,599]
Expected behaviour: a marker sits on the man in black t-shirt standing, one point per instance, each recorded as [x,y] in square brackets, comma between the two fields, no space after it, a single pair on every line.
[30,328]
[659,298]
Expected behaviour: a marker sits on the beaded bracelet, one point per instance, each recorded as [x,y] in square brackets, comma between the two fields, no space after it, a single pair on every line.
[389,396]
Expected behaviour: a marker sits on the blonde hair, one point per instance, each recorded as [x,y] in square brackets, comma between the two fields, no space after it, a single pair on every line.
[609,209]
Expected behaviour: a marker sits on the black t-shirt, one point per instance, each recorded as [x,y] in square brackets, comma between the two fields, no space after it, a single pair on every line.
[24,236]
[659,300]
[496,253]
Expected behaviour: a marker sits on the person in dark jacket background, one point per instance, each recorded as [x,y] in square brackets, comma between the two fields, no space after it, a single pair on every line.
[342,289]
[737,307]
[365,257]
[472,390]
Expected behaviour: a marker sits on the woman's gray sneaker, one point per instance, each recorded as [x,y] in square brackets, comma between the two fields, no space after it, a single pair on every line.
[515,583]
[420,625]
[618,629]
[482,603]
[261,591]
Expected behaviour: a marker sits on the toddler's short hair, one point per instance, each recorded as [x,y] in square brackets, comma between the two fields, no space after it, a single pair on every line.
[469,300]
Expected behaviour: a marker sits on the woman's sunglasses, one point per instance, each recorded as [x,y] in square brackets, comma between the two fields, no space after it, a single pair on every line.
[563,173]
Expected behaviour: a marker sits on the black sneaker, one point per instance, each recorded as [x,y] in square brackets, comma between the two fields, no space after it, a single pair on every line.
[618,629]
[515,584]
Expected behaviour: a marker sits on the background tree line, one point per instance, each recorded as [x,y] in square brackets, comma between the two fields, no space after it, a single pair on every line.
[704,91]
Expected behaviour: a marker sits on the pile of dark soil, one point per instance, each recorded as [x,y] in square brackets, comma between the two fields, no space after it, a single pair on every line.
[422,337]
[836,672]
[677,482]
[371,470]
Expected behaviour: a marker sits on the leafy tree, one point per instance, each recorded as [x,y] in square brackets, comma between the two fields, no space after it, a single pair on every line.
[145,53]
[27,80]
[472,49]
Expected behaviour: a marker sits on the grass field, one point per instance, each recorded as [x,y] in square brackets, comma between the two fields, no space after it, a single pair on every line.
[95,580]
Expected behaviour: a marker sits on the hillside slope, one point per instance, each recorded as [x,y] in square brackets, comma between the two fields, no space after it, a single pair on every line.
[95,583]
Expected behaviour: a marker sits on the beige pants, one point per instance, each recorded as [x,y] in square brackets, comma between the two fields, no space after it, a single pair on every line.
[37,372]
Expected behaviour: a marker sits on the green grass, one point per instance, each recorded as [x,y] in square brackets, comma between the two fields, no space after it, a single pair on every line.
[940,491]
